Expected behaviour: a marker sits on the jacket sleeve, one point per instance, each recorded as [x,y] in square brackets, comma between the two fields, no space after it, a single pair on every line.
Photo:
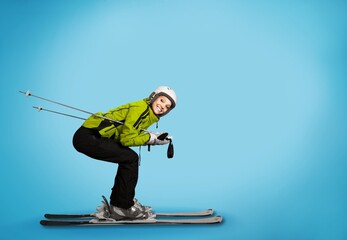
[132,134]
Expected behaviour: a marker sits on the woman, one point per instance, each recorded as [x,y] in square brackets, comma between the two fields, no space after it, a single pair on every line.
[110,141]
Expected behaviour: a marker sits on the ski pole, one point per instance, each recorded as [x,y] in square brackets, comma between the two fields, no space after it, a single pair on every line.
[28,94]
[163,136]
[170,150]
[47,110]
[39,108]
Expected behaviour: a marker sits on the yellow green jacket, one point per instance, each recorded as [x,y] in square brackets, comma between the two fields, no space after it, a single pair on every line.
[135,116]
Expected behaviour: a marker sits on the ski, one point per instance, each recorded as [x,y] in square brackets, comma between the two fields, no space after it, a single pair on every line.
[203,213]
[108,222]
[103,217]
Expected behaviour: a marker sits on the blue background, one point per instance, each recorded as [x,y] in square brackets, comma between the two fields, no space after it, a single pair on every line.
[259,130]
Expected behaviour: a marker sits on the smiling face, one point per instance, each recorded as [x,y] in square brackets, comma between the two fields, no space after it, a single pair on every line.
[161,105]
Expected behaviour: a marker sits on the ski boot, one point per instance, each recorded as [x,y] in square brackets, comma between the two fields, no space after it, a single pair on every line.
[136,212]
[131,213]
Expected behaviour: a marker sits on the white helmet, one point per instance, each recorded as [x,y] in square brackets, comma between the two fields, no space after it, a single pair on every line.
[164,91]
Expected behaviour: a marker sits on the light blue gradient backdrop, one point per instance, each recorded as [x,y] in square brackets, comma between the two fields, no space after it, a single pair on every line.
[259,131]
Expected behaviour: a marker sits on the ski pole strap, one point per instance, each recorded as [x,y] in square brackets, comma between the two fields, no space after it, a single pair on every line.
[170,150]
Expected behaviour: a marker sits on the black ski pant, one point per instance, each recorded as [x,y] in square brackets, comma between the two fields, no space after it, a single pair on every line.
[89,142]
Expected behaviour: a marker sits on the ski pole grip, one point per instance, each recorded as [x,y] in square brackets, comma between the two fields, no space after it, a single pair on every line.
[162,136]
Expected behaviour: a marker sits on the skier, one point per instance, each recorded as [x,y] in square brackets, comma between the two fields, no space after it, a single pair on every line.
[109,141]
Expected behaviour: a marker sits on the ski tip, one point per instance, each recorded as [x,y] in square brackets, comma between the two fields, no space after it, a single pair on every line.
[219,219]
